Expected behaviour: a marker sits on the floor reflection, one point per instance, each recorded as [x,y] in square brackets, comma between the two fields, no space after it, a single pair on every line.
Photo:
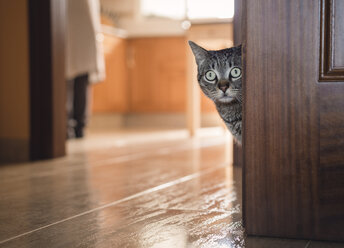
[176,192]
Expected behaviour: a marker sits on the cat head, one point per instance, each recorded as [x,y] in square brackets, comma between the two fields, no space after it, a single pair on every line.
[219,73]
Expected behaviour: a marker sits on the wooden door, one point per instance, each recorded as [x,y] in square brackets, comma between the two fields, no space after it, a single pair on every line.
[293,139]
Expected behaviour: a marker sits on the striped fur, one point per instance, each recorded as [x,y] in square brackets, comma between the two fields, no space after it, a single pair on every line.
[228,101]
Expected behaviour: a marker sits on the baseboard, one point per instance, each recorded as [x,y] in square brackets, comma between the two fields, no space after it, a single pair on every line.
[106,121]
[155,120]
[14,150]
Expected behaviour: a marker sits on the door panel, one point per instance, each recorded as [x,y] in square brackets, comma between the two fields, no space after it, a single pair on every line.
[331,160]
[332,40]
[338,33]
[293,140]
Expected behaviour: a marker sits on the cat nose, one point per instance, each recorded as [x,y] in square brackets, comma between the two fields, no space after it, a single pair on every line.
[224,88]
[223,85]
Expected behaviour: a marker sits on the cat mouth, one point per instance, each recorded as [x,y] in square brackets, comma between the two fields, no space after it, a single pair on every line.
[226,99]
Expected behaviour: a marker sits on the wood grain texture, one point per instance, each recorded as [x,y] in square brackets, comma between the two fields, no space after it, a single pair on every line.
[143,193]
[238,22]
[281,118]
[111,95]
[332,41]
[293,131]
[331,168]
[97,172]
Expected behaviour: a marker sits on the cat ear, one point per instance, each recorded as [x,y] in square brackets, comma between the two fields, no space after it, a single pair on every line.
[199,52]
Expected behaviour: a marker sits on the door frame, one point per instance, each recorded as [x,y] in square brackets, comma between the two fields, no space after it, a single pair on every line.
[47,78]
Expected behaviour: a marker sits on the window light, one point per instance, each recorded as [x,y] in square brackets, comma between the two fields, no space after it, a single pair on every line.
[192,9]
[174,9]
[205,9]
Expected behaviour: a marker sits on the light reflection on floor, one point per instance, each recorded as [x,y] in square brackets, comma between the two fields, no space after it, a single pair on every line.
[131,188]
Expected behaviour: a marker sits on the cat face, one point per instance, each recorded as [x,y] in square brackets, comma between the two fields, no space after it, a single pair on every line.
[219,73]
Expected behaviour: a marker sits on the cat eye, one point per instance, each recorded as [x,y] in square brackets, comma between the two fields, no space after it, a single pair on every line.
[210,76]
[235,72]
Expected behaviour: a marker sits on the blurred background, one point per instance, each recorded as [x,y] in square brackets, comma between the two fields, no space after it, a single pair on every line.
[149,84]
[147,61]
[100,109]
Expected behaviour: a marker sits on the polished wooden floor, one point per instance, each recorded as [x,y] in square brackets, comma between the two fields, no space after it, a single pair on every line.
[131,189]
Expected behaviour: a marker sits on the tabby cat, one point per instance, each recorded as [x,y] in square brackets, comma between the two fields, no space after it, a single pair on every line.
[219,76]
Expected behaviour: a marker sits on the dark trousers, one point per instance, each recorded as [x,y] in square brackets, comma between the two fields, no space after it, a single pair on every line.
[77,99]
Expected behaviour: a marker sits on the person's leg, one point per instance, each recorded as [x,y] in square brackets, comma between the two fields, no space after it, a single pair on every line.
[69,108]
[80,104]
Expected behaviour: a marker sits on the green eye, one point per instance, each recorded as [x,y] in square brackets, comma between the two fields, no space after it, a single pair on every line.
[210,76]
[235,72]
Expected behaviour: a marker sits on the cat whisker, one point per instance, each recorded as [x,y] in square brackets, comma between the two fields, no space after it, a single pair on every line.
[228,102]
[239,98]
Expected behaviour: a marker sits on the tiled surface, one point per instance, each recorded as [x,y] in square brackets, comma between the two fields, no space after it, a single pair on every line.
[171,193]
